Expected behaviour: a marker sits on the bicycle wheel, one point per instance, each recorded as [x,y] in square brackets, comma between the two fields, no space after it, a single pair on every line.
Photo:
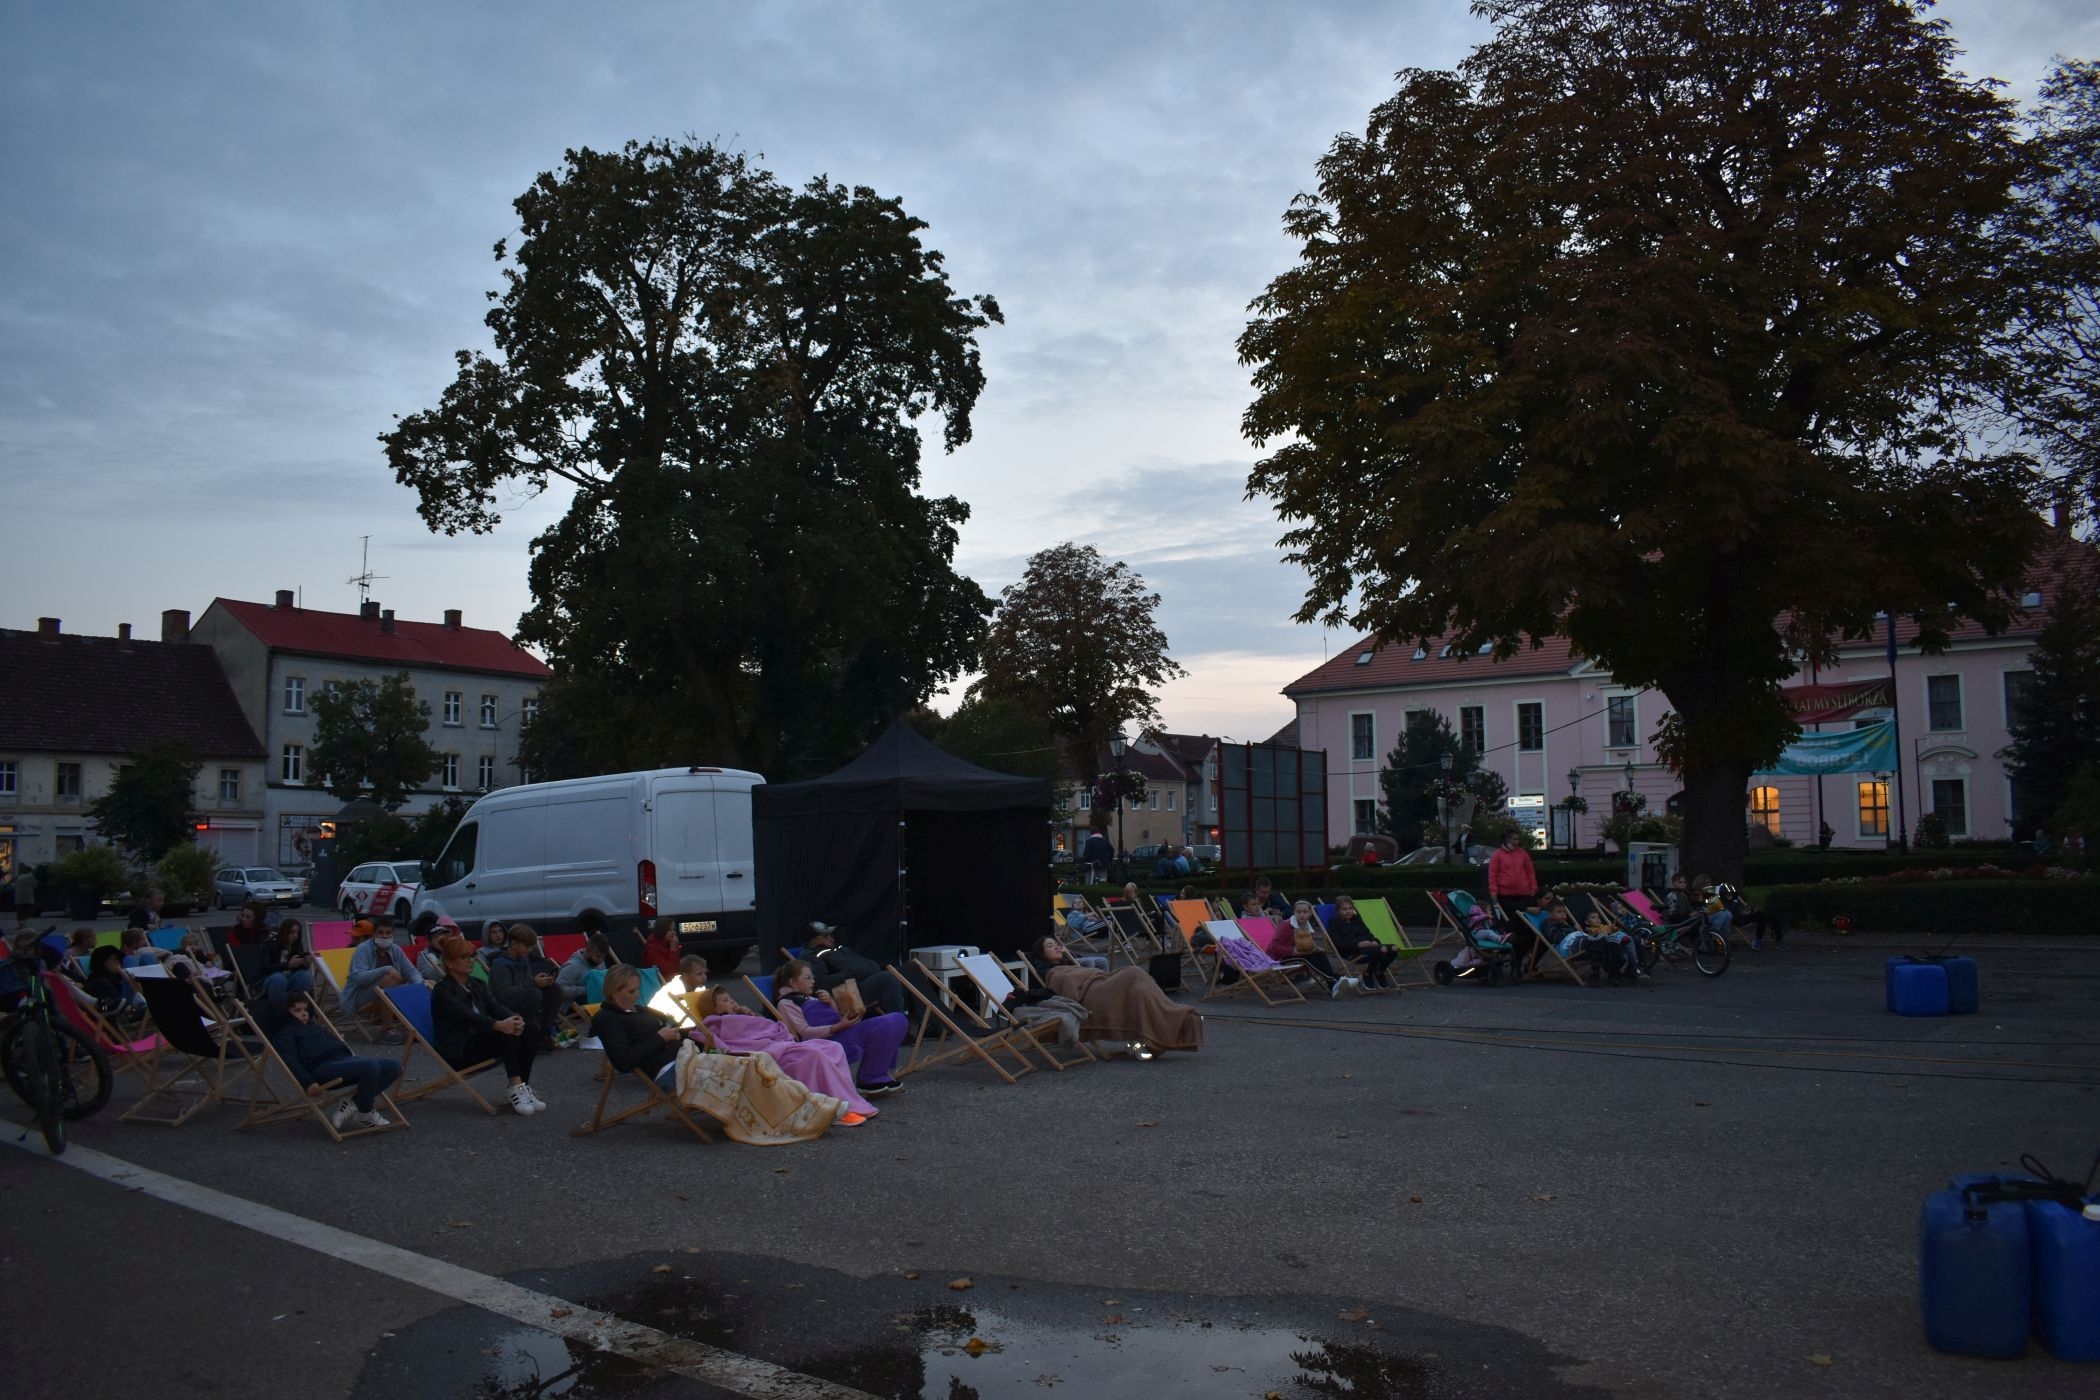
[1710,952]
[1649,951]
[37,1060]
[85,1077]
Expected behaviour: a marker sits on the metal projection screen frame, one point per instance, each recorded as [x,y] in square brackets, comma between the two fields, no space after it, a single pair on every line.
[1272,806]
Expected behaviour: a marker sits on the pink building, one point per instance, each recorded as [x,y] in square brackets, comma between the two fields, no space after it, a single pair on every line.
[1549,721]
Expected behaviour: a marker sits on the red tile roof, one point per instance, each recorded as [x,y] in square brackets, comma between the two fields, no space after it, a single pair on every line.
[420,644]
[1393,667]
[99,695]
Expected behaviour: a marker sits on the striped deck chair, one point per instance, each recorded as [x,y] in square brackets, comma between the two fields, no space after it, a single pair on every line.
[411,1007]
[1256,968]
[1385,926]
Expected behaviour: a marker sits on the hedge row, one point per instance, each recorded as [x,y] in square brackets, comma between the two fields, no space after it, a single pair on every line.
[1945,907]
[1798,867]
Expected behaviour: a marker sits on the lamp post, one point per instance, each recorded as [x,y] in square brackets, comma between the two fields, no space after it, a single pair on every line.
[1116,745]
[1882,778]
[1628,770]
[1574,791]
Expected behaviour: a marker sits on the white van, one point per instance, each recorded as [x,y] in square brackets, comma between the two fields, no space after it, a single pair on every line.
[674,842]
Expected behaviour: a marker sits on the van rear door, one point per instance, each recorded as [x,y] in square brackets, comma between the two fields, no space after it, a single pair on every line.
[733,848]
[683,845]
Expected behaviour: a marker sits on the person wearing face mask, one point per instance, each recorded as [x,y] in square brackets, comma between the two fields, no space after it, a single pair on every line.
[378,964]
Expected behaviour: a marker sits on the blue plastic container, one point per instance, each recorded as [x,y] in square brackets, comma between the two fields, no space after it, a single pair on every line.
[1975,1283]
[1918,989]
[1964,985]
[2065,1248]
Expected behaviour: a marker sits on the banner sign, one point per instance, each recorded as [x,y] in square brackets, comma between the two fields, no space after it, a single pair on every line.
[1870,749]
[1820,704]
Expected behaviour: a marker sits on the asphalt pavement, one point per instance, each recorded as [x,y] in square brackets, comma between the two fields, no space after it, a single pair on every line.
[1696,1187]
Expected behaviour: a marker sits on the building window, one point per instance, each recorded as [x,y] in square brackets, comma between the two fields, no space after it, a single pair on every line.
[1079,802]
[1764,808]
[1874,809]
[1472,728]
[488,712]
[2019,685]
[229,784]
[293,767]
[7,778]
[529,713]
[1950,798]
[1363,738]
[1622,725]
[452,701]
[295,695]
[68,782]
[1531,726]
[1943,702]
[1366,816]
[1170,799]
[452,771]
[485,772]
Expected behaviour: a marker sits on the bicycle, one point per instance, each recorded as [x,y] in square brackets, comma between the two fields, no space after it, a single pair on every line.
[61,1074]
[1693,939]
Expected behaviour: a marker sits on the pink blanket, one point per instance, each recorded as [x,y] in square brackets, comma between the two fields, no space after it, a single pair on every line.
[814,1064]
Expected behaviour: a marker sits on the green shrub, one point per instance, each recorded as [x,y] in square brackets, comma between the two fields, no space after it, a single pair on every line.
[95,871]
[187,874]
[1943,907]
[1931,834]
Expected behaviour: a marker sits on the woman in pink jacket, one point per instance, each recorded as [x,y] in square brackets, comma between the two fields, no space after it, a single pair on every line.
[1512,881]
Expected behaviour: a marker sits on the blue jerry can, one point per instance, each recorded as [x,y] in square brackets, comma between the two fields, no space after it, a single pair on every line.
[2065,1247]
[1919,989]
[1964,985]
[1975,1287]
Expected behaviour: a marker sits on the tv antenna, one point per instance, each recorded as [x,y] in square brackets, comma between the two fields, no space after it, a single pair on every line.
[364,578]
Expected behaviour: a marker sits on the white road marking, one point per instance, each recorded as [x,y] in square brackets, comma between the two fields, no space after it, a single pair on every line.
[743,1375]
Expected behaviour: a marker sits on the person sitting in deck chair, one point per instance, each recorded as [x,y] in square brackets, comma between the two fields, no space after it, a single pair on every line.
[1355,941]
[1125,1005]
[472,1026]
[1299,941]
[111,986]
[525,981]
[288,969]
[377,963]
[834,963]
[818,1065]
[870,1042]
[318,1059]
[596,952]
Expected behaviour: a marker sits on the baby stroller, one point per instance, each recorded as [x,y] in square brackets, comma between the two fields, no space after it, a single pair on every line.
[1488,955]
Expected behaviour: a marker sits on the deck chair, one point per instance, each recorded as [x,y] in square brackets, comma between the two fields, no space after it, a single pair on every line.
[1385,926]
[411,1007]
[560,947]
[995,987]
[127,1051]
[957,1041]
[1257,970]
[1129,935]
[266,1105]
[168,940]
[247,965]
[1546,958]
[655,1097]
[762,986]
[190,1071]
[626,945]
[331,933]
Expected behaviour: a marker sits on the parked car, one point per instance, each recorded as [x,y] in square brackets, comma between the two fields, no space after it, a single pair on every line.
[673,842]
[1209,855]
[380,887]
[239,884]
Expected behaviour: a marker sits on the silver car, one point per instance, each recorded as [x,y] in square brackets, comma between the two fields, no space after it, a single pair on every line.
[238,884]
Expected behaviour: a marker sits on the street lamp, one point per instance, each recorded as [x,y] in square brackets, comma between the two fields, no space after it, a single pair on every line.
[1116,745]
[1628,770]
[1574,781]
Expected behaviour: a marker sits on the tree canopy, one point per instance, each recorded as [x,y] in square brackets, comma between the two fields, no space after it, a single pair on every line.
[148,809]
[1657,324]
[2056,728]
[1077,641]
[997,733]
[728,373]
[2061,335]
[1414,770]
[368,741]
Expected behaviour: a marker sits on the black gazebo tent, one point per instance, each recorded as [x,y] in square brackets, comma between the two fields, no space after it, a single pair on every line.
[905,846]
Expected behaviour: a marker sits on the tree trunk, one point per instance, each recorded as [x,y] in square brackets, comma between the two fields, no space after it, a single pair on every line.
[1715,837]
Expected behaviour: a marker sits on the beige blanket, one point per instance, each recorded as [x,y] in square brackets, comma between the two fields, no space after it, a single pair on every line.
[754,1102]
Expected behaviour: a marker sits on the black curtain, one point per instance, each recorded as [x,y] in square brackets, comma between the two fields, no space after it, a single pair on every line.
[979,877]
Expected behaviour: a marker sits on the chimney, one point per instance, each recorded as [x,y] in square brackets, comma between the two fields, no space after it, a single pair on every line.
[284,597]
[2062,514]
[369,611]
[47,629]
[123,631]
[386,620]
[175,625]
[452,616]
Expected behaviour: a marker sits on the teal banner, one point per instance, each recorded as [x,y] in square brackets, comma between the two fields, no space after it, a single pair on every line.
[1871,749]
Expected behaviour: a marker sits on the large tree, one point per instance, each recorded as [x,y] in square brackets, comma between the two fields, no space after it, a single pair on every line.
[2061,334]
[1655,325]
[728,372]
[1414,771]
[149,808]
[368,740]
[2056,730]
[1077,641]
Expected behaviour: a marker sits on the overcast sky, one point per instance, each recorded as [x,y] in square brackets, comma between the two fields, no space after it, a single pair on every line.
[236,239]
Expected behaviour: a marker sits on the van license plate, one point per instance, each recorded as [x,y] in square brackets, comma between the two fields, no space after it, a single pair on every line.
[697,926]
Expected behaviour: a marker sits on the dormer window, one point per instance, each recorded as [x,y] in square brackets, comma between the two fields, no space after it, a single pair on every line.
[2031,599]
[1445,652]
[1420,653]
[1485,649]
[1363,658]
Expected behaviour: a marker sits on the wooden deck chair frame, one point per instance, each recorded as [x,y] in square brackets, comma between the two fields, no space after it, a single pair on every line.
[266,1105]
[656,1098]
[1041,1037]
[126,1053]
[1546,959]
[1265,927]
[1123,937]
[1407,952]
[767,1002]
[1352,964]
[1259,978]
[1062,906]
[445,1076]
[193,1032]
[961,1044]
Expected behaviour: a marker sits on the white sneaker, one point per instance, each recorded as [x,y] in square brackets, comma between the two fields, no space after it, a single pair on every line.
[374,1119]
[533,1094]
[1356,984]
[339,1116]
[1336,990]
[521,1102]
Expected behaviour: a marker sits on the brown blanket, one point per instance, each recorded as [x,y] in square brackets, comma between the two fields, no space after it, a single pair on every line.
[1128,1005]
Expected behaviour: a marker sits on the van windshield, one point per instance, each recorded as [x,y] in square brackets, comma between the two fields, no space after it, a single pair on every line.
[457,863]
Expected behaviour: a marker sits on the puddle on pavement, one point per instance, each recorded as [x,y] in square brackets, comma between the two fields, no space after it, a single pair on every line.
[890,1338]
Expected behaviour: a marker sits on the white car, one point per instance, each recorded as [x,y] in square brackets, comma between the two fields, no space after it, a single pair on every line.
[380,887]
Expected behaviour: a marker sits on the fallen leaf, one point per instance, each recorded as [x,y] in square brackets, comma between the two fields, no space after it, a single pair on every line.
[681,1195]
[1348,1076]
[692,1249]
[1111,1320]
[1820,1358]
[1542,1198]
[1414,1200]
[1152,1124]
[911,1273]
[962,1284]
[661,1269]
[978,1346]
[1272,1395]
[780,1171]
[1354,1314]
[559,1312]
